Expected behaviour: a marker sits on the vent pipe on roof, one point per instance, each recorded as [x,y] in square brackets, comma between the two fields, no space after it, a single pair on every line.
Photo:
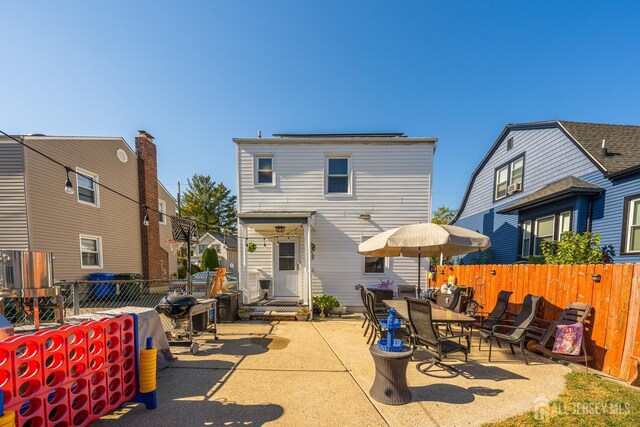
[259,134]
[603,150]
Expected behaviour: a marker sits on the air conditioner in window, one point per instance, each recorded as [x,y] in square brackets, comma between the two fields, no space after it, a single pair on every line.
[514,188]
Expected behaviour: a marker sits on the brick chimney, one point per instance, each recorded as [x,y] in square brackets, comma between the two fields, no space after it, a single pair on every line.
[154,257]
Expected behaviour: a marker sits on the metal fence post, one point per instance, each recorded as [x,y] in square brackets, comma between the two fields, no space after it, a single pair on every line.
[75,291]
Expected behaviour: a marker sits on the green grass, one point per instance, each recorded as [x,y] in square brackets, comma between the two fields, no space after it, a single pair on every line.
[587,393]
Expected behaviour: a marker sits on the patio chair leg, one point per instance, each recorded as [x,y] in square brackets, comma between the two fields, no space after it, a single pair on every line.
[498,342]
[479,342]
[367,329]
[524,357]
[490,346]
[373,331]
[512,350]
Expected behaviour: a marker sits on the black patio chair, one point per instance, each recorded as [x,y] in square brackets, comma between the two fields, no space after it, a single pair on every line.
[425,333]
[515,331]
[377,331]
[379,313]
[487,323]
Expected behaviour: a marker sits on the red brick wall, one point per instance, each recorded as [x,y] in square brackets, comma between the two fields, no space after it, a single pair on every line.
[155,260]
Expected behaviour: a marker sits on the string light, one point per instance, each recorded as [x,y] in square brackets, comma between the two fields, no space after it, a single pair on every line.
[145,221]
[68,186]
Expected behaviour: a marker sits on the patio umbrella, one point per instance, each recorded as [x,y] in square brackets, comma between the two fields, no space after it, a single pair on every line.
[424,240]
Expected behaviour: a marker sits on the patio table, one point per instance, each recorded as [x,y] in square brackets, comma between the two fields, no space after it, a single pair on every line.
[439,314]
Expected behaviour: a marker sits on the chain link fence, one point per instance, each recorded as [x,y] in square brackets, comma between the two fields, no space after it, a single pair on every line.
[82,297]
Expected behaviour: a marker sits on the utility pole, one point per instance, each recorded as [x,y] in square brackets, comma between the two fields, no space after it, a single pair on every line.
[179,198]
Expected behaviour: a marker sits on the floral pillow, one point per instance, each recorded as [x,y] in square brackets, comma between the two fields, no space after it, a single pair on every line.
[568,339]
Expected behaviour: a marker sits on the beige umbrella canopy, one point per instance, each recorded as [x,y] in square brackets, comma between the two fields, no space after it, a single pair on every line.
[424,240]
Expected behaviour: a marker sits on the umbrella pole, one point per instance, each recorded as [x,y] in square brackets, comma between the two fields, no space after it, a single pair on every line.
[419,272]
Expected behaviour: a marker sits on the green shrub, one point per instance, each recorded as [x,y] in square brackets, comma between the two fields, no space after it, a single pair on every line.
[574,248]
[325,303]
[210,259]
[182,273]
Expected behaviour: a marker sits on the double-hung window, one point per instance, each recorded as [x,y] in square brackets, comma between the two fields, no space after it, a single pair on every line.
[201,248]
[508,178]
[162,210]
[264,171]
[546,228]
[91,251]
[87,183]
[374,264]
[338,175]
[631,228]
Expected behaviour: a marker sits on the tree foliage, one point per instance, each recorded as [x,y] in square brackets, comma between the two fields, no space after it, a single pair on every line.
[574,248]
[443,215]
[210,203]
[209,259]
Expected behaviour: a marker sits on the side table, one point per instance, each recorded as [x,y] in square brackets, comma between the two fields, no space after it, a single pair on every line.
[390,384]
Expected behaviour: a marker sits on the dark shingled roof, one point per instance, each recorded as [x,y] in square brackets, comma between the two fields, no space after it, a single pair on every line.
[229,241]
[569,186]
[622,142]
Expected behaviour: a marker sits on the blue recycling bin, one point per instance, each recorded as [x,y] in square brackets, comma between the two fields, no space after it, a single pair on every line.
[103,290]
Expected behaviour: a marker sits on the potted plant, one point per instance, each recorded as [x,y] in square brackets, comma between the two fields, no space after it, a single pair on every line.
[245,313]
[325,303]
[302,313]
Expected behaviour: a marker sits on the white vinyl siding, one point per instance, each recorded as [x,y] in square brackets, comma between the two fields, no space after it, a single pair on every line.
[393,185]
[13,202]
[90,251]
[265,174]
[633,230]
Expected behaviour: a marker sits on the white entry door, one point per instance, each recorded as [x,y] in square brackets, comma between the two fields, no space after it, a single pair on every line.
[286,268]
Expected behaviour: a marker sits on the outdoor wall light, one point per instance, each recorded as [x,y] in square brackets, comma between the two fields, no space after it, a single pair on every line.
[68,186]
[596,278]
[279,228]
[493,272]
[364,216]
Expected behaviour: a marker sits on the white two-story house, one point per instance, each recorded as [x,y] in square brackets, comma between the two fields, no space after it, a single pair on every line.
[305,202]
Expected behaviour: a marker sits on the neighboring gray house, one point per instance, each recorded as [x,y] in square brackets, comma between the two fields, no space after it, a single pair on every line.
[93,229]
[541,179]
[225,245]
[307,201]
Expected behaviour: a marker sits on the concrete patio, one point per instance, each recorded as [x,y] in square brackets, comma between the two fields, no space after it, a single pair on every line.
[319,373]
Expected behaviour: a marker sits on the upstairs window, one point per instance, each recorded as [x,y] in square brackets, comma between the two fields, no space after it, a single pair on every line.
[162,210]
[201,248]
[264,170]
[87,183]
[508,179]
[631,228]
[338,176]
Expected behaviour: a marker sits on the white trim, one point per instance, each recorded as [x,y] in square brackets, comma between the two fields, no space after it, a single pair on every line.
[528,249]
[630,225]
[98,240]
[256,159]
[349,158]
[163,211]
[96,184]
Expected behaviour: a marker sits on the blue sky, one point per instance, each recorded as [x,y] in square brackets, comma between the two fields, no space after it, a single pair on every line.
[196,74]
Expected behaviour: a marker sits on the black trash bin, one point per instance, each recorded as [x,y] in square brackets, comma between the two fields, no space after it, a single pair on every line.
[227,307]
[129,291]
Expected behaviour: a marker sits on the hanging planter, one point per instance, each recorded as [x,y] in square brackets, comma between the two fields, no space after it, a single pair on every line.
[251,247]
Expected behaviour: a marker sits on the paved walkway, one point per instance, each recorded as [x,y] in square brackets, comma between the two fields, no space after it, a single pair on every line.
[319,373]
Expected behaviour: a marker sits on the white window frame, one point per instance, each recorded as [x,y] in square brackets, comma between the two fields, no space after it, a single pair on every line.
[509,169]
[527,227]
[630,226]
[162,215]
[256,162]
[96,184]
[349,158]
[537,234]
[201,249]
[295,255]
[98,240]
[385,270]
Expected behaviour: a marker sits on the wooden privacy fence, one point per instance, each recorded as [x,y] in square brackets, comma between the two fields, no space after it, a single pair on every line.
[612,289]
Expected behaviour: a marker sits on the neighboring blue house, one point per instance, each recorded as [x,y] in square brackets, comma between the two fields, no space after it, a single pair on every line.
[540,179]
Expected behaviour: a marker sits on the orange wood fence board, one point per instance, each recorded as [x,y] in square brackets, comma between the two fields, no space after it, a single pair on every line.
[614,335]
